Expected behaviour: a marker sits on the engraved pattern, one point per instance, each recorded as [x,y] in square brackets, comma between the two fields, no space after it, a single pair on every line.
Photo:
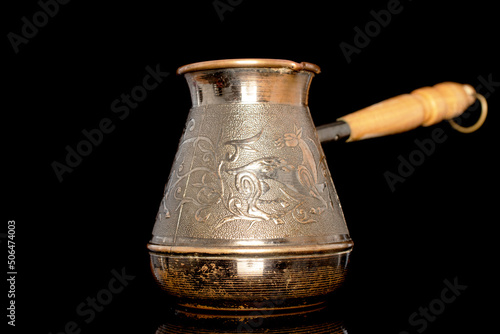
[230,181]
[242,198]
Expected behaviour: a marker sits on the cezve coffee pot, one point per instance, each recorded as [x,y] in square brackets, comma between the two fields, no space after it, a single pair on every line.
[250,218]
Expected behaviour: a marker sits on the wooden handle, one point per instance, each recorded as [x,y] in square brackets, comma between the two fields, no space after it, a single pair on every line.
[424,106]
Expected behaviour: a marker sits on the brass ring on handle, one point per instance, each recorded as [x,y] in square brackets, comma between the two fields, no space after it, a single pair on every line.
[480,121]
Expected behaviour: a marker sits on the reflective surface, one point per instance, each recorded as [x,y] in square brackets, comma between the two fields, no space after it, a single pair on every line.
[241,174]
[246,85]
[317,321]
[250,213]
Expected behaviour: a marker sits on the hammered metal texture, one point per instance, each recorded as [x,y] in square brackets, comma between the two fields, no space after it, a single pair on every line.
[248,172]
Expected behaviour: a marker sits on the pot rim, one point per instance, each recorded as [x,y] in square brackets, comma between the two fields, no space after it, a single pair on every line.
[248,63]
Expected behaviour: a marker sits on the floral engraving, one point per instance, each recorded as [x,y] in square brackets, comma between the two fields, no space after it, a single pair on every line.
[225,190]
[306,174]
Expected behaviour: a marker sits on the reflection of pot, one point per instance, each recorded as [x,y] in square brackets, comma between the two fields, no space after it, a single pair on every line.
[323,321]
[250,218]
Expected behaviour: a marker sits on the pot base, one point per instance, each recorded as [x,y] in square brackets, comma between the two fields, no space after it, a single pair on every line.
[241,282]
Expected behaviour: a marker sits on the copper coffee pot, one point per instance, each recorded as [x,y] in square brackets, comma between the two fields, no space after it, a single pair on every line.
[250,218]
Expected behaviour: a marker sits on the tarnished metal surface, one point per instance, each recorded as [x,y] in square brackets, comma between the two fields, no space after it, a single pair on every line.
[247,282]
[249,177]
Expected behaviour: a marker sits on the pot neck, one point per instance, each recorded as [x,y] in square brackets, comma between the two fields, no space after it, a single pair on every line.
[249,85]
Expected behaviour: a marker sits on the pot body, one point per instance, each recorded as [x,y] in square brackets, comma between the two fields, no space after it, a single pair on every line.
[250,217]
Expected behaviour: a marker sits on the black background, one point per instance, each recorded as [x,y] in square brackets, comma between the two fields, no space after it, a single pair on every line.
[439,224]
